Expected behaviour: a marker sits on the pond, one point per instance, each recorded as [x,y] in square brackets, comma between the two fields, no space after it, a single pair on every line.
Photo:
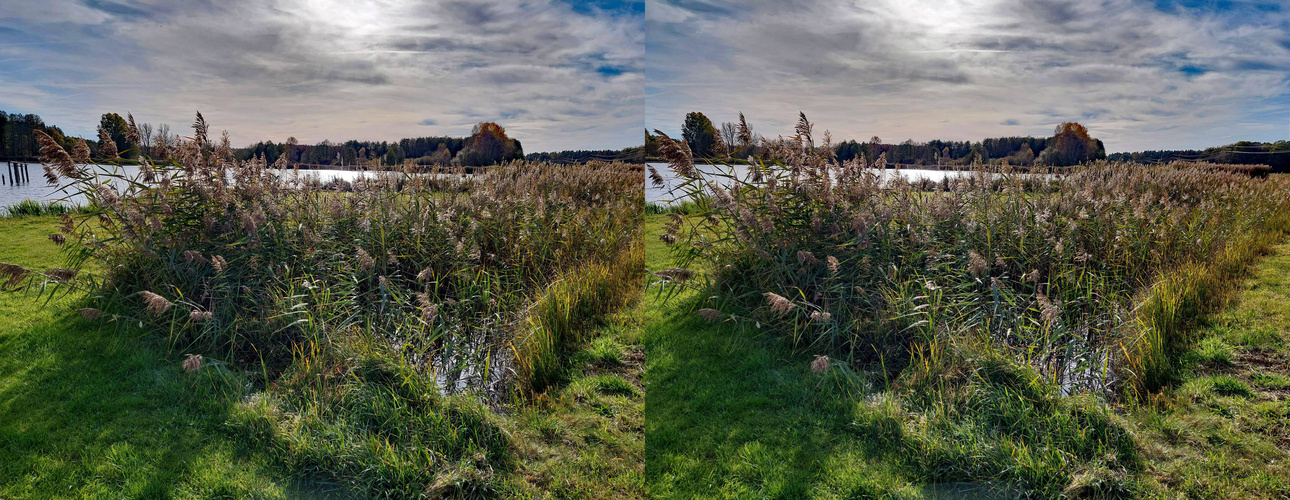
[664,196]
[39,191]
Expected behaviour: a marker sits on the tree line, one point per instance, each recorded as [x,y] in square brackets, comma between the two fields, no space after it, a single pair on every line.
[629,155]
[487,145]
[123,138]
[1070,144]
[1273,154]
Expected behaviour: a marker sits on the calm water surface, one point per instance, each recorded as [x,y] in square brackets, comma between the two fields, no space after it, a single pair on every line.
[663,196]
[39,191]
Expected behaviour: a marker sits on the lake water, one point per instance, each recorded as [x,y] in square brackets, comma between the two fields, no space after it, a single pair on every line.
[39,191]
[663,196]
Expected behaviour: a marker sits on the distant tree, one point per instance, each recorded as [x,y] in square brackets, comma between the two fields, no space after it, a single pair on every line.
[145,138]
[118,130]
[1070,145]
[875,148]
[441,156]
[699,133]
[290,148]
[730,135]
[651,145]
[393,155]
[488,145]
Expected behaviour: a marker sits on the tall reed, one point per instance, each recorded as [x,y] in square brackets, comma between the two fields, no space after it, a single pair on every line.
[1051,269]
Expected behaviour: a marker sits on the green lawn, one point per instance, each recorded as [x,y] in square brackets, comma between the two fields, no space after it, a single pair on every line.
[731,413]
[89,409]
[1224,432]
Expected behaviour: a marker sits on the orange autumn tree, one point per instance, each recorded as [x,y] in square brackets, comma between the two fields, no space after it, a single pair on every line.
[488,145]
[1071,145]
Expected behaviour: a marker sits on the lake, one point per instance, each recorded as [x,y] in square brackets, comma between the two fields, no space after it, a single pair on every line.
[663,196]
[39,191]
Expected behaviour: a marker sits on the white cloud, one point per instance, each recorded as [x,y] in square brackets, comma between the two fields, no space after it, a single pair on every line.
[967,70]
[331,69]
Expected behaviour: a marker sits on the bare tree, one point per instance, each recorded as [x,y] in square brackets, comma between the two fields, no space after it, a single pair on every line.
[145,134]
[162,145]
[730,134]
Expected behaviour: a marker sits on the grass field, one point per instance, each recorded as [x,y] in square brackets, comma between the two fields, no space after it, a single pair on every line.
[90,409]
[733,412]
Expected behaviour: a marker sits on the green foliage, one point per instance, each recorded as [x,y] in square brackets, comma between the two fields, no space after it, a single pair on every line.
[700,134]
[118,130]
[29,207]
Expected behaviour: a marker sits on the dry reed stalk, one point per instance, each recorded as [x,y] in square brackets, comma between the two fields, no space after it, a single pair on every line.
[90,313]
[192,363]
[778,304]
[155,303]
[56,159]
[820,364]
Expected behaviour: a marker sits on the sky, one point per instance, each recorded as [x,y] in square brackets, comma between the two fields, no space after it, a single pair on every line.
[1141,75]
[557,75]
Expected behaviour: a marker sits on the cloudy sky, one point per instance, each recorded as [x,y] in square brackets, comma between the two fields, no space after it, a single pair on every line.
[1139,74]
[558,75]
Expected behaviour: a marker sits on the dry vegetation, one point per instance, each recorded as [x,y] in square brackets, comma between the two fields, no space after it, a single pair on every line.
[384,319]
[987,329]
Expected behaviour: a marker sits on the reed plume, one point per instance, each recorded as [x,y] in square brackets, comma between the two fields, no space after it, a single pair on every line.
[107,146]
[155,303]
[53,155]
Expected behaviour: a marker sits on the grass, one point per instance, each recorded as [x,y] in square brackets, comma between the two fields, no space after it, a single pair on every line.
[390,335]
[734,411]
[92,410]
[1222,432]
[30,207]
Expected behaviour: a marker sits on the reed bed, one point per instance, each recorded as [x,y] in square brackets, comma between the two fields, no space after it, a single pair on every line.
[373,299]
[987,330]
[1052,269]
[30,208]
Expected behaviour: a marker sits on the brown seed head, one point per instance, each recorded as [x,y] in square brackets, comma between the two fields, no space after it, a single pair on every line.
[155,303]
[11,274]
[365,262]
[676,274]
[820,317]
[107,146]
[90,313]
[778,304]
[53,155]
[820,364]
[976,263]
[711,315]
[192,363]
[194,256]
[61,274]
[677,154]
